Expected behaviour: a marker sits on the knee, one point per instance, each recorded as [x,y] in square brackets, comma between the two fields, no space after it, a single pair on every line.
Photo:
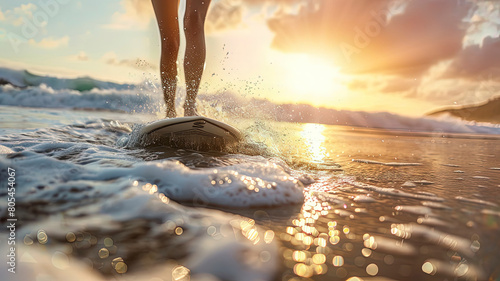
[193,20]
[170,45]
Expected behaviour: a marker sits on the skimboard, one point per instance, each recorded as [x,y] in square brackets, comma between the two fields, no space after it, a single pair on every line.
[193,132]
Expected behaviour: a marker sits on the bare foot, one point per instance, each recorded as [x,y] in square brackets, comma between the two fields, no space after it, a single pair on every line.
[190,111]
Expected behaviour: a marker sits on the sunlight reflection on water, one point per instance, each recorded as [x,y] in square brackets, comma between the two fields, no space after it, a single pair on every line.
[314,141]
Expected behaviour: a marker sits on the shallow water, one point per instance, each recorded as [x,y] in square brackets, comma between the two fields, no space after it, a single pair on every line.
[293,202]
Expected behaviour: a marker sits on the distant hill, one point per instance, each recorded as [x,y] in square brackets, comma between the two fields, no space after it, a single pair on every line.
[485,112]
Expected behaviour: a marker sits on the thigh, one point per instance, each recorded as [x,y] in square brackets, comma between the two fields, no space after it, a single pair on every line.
[197,9]
[166,14]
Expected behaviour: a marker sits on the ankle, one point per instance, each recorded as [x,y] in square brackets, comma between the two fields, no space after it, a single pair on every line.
[171,113]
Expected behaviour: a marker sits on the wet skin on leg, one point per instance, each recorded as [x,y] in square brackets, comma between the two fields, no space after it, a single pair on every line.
[194,61]
[168,24]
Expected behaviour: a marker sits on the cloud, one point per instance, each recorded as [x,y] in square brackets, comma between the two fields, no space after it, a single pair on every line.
[382,36]
[477,62]
[456,91]
[17,15]
[275,2]
[109,56]
[392,48]
[112,59]
[81,56]
[223,15]
[400,85]
[136,14]
[486,15]
[386,84]
[50,42]
[229,14]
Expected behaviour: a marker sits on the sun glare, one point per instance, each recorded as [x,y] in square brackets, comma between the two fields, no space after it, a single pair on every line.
[312,78]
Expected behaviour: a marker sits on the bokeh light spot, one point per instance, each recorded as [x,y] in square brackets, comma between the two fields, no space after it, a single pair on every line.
[303,270]
[180,273]
[429,268]
[121,267]
[334,240]
[103,253]
[60,260]
[268,236]
[338,261]
[372,269]
[265,256]
[28,241]
[108,242]
[366,252]
[354,279]
[42,237]
[319,259]
[70,237]
[179,230]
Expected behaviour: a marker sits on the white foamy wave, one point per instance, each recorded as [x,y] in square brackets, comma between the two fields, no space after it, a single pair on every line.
[25,89]
[104,191]
[99,99]
[442,124]
[384,120]
[251,182]
[238,186]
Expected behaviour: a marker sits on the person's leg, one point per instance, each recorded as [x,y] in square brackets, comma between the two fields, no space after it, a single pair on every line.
[194,61]
[166,16]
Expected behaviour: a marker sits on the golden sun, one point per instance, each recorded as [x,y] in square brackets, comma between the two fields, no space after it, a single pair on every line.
[311,78]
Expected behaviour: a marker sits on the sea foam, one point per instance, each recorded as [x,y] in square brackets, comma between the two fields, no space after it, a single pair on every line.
[28,90]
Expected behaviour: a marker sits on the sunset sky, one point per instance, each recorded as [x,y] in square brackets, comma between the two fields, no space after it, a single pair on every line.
[402,56]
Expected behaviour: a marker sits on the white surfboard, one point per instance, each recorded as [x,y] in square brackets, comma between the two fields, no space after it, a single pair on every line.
[193,132]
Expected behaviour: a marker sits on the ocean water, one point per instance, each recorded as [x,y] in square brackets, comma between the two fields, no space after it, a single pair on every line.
[293,201]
